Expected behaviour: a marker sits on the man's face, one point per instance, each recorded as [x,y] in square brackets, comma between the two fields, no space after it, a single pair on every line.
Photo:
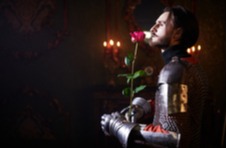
[162,31]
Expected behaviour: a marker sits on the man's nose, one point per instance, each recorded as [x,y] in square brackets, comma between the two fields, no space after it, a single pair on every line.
[153,29]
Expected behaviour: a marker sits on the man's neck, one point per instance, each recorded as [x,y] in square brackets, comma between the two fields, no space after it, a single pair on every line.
[172,51]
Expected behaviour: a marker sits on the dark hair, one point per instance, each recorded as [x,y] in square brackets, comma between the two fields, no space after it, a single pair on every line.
[186,20]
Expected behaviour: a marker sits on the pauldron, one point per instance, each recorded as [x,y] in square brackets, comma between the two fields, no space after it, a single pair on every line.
[171,95]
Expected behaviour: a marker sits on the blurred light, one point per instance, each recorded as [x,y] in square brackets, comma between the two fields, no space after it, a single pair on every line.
[199,47]
[111,42]
[105,44]
[193,48]
[189,50]
[118,43]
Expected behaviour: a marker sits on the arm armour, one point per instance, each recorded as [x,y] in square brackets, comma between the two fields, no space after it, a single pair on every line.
[133,135]
[179,100]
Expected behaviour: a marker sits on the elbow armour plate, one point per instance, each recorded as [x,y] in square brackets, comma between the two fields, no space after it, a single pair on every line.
[132,135]
[179,100]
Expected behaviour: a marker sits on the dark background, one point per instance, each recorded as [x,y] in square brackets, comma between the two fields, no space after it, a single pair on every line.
[56,82]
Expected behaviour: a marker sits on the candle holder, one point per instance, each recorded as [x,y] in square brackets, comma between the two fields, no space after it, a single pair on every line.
[111,51]
[112,59]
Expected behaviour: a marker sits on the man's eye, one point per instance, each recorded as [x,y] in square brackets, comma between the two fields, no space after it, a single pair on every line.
[161,24]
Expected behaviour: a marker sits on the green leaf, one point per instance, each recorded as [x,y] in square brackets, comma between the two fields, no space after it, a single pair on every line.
[139,88]
[123,75]
[128,59]
[139,73]
[128,80]
[126,91]
[127,75]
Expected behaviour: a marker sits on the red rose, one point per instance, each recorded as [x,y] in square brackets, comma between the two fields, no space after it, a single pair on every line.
[137,36]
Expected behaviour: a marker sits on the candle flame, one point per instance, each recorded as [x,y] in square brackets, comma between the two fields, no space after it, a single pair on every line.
[199,47]
[189,50]
[118,43]
[104,44]
[111,42]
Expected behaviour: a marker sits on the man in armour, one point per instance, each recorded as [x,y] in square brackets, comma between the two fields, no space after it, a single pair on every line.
[180,95]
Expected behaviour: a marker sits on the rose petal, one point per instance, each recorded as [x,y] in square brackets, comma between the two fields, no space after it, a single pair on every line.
[137,36]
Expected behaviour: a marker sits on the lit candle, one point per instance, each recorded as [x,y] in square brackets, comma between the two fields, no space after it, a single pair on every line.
[193,49]
[104,44]
[118,43]
[189,50]
[111,42]
[199,47]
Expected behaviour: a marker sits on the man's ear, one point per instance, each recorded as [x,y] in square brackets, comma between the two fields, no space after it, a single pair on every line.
[177,34]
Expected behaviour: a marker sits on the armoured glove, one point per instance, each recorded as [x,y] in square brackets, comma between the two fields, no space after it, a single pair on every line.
[129,133]
[139,108]
[108,119]
[116,125]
